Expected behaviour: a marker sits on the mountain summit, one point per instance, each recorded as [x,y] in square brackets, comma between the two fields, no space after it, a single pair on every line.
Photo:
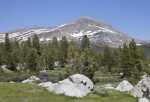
[99,33]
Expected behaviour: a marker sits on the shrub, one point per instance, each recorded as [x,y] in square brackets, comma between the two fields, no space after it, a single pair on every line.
[101,91]
[133,81]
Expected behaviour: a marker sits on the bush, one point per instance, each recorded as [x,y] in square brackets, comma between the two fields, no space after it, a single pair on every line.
[101,91]
[133,81]
[54,80]
[107,80]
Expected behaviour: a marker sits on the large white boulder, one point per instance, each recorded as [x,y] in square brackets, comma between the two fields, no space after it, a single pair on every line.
[143,100]
[124,86]
[75,86]
[142,88]
[30,79]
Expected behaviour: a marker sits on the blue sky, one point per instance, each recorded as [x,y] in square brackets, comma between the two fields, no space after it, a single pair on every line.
[129,16]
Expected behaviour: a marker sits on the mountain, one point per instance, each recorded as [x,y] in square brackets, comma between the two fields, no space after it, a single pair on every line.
[99,33]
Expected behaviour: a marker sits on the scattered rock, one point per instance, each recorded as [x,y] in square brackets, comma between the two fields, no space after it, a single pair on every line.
[144,75]
[143,100]
[75,86]
[124,86]
[121,74]
[12,82]
[31,79]
[4,68]
[108,86]
[142,88]
[43,71]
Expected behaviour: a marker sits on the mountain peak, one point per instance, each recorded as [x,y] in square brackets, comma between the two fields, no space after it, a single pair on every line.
[99,33]
[86,18]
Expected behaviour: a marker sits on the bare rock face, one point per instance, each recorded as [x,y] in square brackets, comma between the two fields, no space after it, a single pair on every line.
[124,86]
[142,88]
[143,100]
[76,85]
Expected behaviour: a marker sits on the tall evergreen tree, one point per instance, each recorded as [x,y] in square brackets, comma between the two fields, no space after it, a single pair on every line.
[8,53]
[8,48]
[125,61]
[72,49]
[0,59]
[31,59]
[64,46]
[15,52]
[50,60]
[23,52]
[54,47]
[135,58]
[35,43]
[85,42]
[108,58]
[116,56]
[29,44]
[145,62]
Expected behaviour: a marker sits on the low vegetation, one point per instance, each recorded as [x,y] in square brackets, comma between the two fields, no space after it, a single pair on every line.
[18,92]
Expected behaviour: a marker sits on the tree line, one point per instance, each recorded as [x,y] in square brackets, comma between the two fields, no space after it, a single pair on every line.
[35,56]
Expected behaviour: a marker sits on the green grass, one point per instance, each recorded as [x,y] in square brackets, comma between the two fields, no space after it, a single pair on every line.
[18,92]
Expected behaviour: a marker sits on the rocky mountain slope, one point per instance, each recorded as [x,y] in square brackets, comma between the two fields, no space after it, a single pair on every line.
[99,33]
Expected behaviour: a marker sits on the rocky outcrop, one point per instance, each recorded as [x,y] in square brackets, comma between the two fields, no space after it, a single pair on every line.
[124,86]
[143,100]
[142,88]
[75,86]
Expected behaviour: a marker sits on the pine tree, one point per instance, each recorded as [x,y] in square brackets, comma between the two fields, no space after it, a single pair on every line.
[72,49]
[61,57]
[50,60]
[2,51]
[0,59]
[116,60]
[77,62]
[8,48]
[8,53]
[125,61]
[108,58]
[35,43]
[54,48]
[23,52]
[98,59]
[31,60]
[64,46]
[29,44]
[55,42]
[145,62]
[135,56]
[15,52]
[85,42]
[9,62]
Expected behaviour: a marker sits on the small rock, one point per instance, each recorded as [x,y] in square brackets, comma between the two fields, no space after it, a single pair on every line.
[108,86]
[12,82]
[47,84]
[43,71]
